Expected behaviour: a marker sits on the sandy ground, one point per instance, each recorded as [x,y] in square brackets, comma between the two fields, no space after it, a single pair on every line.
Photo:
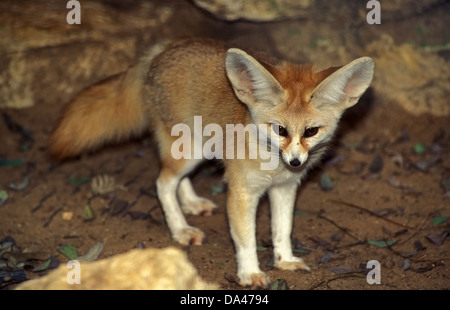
[383,191]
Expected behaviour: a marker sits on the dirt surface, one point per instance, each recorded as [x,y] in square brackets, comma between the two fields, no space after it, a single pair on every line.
[383,190]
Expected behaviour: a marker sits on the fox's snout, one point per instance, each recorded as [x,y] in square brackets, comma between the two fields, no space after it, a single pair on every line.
[294,160]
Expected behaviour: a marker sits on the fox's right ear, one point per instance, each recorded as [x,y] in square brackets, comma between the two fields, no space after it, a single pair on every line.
[344,87]
[251,82]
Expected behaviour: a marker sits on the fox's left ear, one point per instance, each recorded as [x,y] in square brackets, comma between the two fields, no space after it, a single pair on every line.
[251,81]
[345,86]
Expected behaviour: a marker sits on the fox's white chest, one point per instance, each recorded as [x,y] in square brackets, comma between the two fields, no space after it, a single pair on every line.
[287,176]
[262,180]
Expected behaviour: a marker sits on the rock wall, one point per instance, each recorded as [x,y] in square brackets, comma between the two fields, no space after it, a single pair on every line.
[416,79]
[44,60]
[272,10]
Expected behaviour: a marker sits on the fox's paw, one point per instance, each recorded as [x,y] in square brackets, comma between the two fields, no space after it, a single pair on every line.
[201,206]
[189,236]
[292,264]
[254,280]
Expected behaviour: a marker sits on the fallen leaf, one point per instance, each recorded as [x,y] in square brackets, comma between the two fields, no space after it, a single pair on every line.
[419,246]
[337,236]
[17,257]
[423,165]
[438,239]
[279,285]
[78,181]
[302,251]
[120,207]
[397,184]
[325,258]
[385,211]
[218,188]
[400,232]
[42,266]
[138,215]
[406,264]
[3,197]
[7,243]
[69,251]
[13,276]
[335,160]
[342,269]
[88,213]
[299,247]
[424,268]
[12,162]
[21,185]
[318,240]
[92,254]
[419,148]
[376,165]
[230,278]
[298,213]
[381,243]
[325,182]
[50,263]
[438,220]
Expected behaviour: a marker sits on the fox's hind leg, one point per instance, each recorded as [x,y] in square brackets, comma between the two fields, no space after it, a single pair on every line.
[167,185]
[172,172]
[191,203]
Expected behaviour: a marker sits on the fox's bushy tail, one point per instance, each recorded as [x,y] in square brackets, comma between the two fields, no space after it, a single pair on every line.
[109,111]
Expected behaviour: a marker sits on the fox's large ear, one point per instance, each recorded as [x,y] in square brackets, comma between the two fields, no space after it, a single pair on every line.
[345,86]
[250,80]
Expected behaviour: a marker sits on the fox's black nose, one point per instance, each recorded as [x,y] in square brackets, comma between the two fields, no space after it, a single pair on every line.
[295,162]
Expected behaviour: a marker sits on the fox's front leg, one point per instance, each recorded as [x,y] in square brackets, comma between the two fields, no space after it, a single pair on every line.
[241,207]
[282,201]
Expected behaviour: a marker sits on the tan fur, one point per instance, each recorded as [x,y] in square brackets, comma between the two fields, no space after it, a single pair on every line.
[111,110]
[224,86]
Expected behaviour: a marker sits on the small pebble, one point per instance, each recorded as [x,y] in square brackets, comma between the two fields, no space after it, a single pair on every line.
[67,215]
[377,164]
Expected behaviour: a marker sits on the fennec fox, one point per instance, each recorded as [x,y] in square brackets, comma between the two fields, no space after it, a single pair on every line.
[295,110]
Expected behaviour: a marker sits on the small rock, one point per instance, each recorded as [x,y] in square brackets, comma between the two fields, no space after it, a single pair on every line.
[67,215]
[377,164]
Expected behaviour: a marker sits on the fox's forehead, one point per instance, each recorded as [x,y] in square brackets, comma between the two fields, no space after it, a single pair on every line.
[299,81]
[291,116]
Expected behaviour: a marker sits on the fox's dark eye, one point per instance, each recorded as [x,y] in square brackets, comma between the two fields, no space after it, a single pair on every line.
[279,130]
[309,132]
